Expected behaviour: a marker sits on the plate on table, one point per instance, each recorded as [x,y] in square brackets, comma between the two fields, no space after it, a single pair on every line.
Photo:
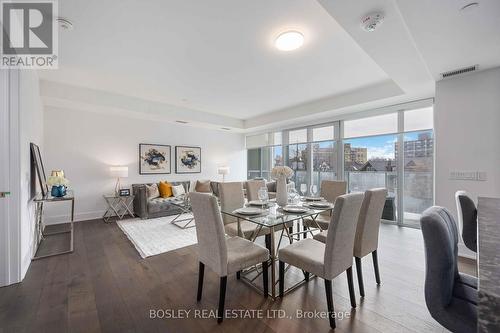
[295,209]
[320,204]
[258,203]
[249,211]
[313,198]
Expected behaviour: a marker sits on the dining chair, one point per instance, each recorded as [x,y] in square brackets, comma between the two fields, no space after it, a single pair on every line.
[467,219]
[331,259]
[231,198]
[223,255]
[367,229]
[330,191]
[253,187]
[451,297]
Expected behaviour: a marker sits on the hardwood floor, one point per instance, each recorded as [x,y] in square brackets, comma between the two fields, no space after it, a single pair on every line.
[104,286]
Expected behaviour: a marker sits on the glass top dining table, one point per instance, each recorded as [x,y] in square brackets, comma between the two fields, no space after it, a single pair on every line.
[273,215]
[278,219]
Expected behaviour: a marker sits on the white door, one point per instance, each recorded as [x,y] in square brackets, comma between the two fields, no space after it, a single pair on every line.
[4,177]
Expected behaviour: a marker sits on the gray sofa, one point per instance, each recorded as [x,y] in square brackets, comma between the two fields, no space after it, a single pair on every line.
[157,207]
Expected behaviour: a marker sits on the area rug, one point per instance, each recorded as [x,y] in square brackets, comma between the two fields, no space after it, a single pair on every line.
[156,236]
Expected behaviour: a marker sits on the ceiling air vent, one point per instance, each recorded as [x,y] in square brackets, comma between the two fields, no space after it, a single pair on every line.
[459,71]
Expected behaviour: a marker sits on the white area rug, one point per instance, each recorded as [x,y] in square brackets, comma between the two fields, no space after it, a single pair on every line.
[155,236]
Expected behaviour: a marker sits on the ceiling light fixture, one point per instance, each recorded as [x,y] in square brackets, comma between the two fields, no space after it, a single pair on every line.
[289,40]
[470,6]
[372,21]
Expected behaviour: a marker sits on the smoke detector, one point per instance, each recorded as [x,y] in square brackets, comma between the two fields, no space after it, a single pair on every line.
[372,21]
[64,23]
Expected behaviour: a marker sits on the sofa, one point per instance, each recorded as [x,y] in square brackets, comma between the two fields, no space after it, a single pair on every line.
[158,207]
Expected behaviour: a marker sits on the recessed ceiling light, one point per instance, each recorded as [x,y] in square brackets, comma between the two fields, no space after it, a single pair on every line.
[289,40]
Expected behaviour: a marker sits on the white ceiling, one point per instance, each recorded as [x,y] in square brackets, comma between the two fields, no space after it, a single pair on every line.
[216,56]
[213,62]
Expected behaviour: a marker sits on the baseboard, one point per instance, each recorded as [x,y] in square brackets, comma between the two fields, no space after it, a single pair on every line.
[58,219]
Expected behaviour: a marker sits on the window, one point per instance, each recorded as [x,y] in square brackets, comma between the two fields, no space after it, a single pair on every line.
[393,150]
[370,162]
[322,133]
[419,119]
[297,136]
[384,124]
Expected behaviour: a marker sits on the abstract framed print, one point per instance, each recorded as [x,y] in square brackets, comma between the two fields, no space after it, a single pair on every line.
[187,159]
[154,159]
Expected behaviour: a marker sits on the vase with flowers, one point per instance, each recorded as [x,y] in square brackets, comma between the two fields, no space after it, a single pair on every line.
[281,174]
[59,184]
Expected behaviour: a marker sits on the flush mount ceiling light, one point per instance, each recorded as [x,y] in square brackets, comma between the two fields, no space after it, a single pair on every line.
[289,40]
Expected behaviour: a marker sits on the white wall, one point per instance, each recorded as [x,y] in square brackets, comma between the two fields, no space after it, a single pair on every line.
[467,129]
[85,144]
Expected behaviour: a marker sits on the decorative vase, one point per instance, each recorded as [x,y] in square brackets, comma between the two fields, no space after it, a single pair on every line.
[58,191]
[281,191]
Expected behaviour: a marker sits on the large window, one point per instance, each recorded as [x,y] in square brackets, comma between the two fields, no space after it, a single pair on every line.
[394,150]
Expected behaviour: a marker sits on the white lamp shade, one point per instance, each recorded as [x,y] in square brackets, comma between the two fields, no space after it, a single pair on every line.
[223,170]
[119,171]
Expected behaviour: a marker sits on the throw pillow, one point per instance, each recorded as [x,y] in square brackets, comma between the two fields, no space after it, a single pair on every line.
[152,191]
[203,186]
[165,189]
[178,190]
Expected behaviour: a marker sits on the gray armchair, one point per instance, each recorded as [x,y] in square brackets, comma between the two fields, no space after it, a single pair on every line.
[451,297]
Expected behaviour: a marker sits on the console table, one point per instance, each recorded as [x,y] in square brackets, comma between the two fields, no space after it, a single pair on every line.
[40,201]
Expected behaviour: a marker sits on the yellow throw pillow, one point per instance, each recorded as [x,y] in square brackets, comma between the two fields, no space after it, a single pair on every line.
[165,189]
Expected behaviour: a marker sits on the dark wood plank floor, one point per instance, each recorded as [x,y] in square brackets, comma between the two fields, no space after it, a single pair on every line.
[104,286]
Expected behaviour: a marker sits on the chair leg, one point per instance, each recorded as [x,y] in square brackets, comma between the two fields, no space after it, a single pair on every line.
[375,266]
[329,302]
[238,275]
[201,272]
[265,279]
[222,298]
[268,241]
[352,294]
[306,276]
[305,232]
[360,276]
[281,278]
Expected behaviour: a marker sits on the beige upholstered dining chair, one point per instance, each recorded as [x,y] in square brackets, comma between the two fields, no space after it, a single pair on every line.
[253,187]
[366,240]
[330,190]
[231,198]
[222,255]
[331,259]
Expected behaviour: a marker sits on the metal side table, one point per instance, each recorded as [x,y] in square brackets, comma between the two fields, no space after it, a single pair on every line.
[118,206]
[184,205]
[40,226]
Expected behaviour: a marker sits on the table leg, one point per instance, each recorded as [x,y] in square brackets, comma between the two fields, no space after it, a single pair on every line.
[273,264]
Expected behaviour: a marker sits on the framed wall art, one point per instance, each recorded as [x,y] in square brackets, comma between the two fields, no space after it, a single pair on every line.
[187,159]
[154,159]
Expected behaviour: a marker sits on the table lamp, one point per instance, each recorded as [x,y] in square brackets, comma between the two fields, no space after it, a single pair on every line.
[118,172]
[223,170]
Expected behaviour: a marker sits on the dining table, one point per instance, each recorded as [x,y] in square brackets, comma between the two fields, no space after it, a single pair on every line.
[280,219]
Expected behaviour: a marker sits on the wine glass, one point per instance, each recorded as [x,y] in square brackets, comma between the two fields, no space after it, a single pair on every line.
[263,195]
[303,189]
[314,190]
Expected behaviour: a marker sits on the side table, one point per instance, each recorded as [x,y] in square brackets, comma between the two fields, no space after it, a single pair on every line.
[118,206]
[40,226]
